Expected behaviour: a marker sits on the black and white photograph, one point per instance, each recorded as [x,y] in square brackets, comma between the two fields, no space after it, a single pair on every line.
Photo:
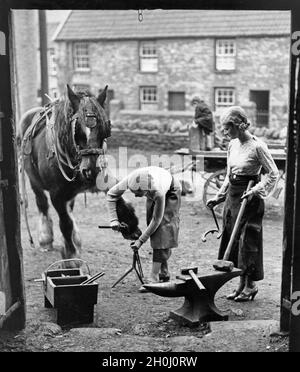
[149,179]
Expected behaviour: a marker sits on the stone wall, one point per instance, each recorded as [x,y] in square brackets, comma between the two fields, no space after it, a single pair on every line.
[167,130]
[185,65]
[143,140]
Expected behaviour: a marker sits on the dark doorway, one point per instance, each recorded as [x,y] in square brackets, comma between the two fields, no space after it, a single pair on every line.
[176,101]
[261,99]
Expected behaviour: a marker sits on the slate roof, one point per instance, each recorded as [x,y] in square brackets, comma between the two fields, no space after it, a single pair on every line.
[124,24]
[51,29]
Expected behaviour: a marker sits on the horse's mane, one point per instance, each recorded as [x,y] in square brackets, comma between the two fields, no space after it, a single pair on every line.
[63,111]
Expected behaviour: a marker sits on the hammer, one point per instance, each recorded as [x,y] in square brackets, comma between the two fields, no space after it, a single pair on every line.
[224,264]
[192,271]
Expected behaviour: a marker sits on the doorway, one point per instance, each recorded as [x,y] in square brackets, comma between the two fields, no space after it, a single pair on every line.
[261,99]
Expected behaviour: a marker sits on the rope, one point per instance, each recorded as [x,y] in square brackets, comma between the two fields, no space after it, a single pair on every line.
[59,153]
[25,196]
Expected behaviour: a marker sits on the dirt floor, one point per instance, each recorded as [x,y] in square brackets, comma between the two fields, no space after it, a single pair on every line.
[126,320]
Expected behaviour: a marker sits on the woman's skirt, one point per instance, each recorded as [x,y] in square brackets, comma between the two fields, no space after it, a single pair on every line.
[247,250]
[166,235]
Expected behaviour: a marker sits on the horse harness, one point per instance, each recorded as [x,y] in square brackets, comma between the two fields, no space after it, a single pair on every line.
[54,145]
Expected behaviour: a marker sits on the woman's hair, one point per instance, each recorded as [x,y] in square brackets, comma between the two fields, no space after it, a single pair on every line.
[196,99]
[235,115]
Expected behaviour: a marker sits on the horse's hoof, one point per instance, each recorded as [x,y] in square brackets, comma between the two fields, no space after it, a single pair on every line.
[71,264]
[46,247]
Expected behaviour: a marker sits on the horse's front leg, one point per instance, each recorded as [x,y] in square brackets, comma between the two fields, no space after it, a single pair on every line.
[45,227]
[72,241]
[75,235]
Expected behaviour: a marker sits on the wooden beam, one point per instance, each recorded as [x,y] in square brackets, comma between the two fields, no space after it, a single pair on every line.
[13,260]
[153,4]
[294,340]
[43,56]
[288,222]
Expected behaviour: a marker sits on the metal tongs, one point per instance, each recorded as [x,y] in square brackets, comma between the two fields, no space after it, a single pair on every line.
[123,227]
[212,231]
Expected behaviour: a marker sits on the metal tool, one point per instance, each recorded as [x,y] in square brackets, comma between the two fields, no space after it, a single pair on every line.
[123,227]
[212,231]
[192,271]
[93,278]
[136,265]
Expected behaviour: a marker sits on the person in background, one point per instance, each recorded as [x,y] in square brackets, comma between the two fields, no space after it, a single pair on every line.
[163,199]
[246,157]
[203,119]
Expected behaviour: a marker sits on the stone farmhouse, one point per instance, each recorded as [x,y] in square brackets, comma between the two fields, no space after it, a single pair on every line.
[154,68]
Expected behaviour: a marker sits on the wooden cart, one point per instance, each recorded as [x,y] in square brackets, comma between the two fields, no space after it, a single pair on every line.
[213,168]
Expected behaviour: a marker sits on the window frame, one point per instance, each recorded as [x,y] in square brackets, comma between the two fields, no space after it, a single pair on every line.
[143,57]
[77,58]
[222,105]
[83,86]
[144,102]
[219,55]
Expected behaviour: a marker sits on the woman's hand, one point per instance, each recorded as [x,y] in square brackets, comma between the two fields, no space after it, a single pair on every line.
[136,245]
[249,195]
[214,201]
[115,225]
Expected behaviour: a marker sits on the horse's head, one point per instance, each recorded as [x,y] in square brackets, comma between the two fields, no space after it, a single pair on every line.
[126,214]
[90,128]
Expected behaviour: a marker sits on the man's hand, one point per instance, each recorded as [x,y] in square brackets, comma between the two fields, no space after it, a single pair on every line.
[136,245]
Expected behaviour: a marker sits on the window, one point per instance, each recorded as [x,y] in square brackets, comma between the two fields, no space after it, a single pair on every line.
[176,101]
[2,44]
[52,62]
[148,57]
[54,93]
[80,87]
[148,98]
[225,55]
[224,97]
[81,56]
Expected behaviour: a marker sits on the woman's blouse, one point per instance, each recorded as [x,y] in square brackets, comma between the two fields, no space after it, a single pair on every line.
[248,158]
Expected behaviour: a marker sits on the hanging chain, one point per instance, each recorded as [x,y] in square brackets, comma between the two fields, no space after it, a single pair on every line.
[140,15]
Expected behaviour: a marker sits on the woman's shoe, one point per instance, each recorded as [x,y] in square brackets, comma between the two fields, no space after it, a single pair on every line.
[243,297]
[164,278]
[142,289]
[234,294]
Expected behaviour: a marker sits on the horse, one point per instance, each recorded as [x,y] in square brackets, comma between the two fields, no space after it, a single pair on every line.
[63,148]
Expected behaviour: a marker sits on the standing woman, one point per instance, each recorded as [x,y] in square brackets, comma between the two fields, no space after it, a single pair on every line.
[246,157]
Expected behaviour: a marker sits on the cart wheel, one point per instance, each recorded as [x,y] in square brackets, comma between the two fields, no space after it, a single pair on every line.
[211,187]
